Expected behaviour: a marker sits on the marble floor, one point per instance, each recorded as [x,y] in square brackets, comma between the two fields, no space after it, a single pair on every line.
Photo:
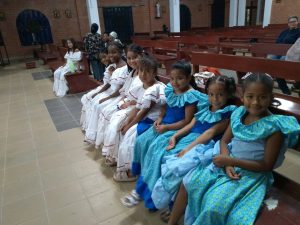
[48,175]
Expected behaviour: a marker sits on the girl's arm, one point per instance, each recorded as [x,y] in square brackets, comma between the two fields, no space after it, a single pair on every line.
[115,94]
[137,118]
[104,88]
[183,131]
[161,115]
[207,136]
[190,110]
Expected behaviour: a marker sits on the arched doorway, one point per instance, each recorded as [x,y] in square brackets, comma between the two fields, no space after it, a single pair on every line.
[185,18]
[33,28]
[218,13]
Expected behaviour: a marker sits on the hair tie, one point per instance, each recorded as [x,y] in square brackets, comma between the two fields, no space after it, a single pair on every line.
[249,73]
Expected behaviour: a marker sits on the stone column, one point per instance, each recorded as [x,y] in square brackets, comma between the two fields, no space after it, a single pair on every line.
[174,15]
[241,13]
[233,13]
[267,12]
[92,8]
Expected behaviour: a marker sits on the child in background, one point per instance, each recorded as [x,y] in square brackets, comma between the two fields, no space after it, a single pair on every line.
[126,99]
[232,188]
[141,117]
[209,124]
[73,56]
[86,99]
[180,107]
[110,91]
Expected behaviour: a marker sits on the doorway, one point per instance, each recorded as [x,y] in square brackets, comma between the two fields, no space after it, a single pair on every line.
[218,14]
[33,28]
[119,19]
[185,18]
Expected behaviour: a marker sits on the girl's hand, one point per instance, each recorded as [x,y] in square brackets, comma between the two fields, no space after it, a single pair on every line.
[103,100]
[180,154]
[231,173]
[125,105]
[124,129]
[172,143]
[111,69]
[161,128]
[222,160]
[157,122]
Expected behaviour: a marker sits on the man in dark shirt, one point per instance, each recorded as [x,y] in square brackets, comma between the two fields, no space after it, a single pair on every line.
[288,36]
[93,44]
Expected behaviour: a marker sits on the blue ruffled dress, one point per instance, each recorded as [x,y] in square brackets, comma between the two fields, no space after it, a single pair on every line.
[156,155]
[213,198]
[174,168]
[175,112]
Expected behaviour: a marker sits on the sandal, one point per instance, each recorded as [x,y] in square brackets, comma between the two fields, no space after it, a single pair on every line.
[131,199]
[123,177]
[165,215]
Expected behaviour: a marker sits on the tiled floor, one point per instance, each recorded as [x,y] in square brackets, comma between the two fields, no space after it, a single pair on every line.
[65,112]
[48,175]
[42,75]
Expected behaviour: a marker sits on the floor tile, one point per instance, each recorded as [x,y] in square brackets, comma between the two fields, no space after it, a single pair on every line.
[64,195]
[19,212]
[78,213]
[21,189]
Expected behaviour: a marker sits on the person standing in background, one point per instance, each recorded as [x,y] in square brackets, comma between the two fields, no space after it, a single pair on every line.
[288,36]
[93,43]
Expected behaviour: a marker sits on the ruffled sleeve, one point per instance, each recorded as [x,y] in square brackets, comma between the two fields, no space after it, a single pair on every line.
[75,56]
[188,98]
[155,93]
[136,91]
[205,115]
[287,125]
[119,76]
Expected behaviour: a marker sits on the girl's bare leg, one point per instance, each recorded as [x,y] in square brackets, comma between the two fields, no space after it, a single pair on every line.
[179,206]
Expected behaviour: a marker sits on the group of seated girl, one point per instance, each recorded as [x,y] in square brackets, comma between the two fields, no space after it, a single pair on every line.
[188,152]
[72,57]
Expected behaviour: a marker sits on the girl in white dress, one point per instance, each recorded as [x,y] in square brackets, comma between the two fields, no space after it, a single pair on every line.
[86,99]
[127,100]
[141,118]
[73,56]
[110,91]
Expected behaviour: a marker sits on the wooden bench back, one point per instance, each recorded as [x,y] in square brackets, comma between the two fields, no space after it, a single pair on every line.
[285,69]
[262,50]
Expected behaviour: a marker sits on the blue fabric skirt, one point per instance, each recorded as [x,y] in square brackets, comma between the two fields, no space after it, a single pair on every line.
[142,145]
[175,168]
[151,170]
[214,198]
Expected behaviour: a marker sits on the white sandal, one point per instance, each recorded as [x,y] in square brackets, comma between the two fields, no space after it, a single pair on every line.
[131,199]
[123,177]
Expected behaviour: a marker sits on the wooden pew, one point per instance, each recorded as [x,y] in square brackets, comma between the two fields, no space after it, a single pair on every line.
[166,52]
[50,54]
[53,65]
[263,49]
[286,191]
[80,80]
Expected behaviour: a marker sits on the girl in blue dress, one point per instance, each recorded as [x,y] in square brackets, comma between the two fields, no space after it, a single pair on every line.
[232,188]
[180,107]
[220,88]
[210,122]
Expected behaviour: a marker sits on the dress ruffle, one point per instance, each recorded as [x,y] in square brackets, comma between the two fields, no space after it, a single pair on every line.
[205,115]
[189,97]
[288,125]
[155,93]
[119,76]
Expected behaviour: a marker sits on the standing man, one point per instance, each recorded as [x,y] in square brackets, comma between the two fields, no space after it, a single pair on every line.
[93,45]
